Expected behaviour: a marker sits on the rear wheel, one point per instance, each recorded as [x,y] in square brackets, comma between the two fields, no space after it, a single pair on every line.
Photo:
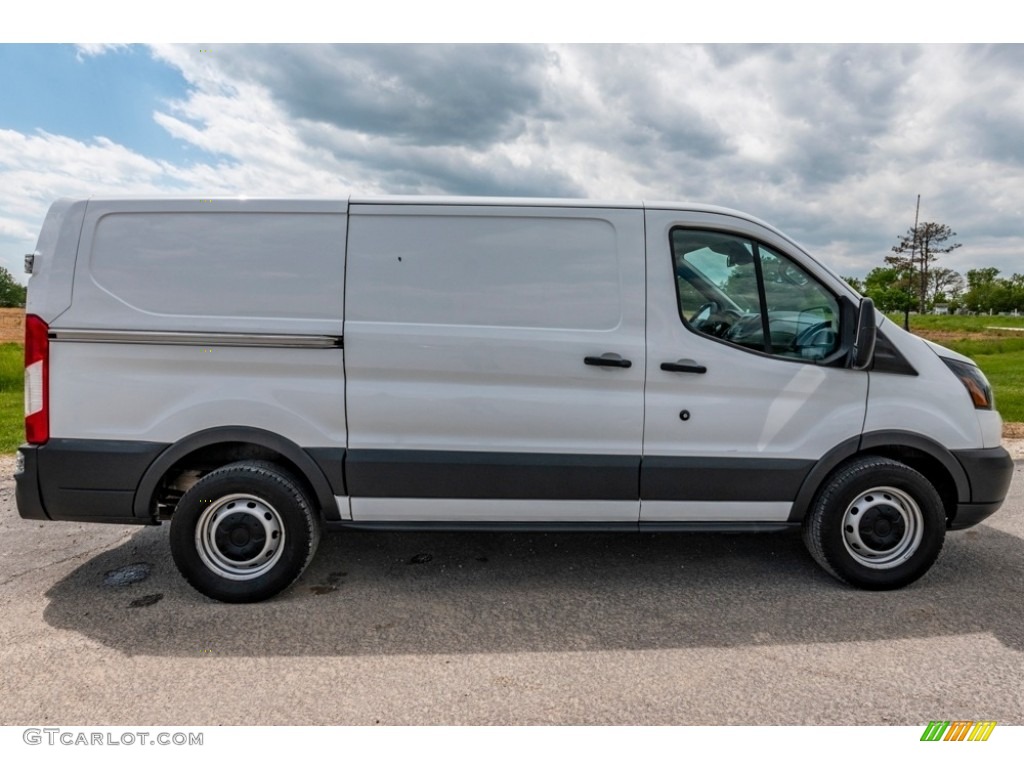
[876,524]
[244,532]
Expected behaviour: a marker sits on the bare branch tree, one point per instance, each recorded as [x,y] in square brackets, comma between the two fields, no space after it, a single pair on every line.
[916,252]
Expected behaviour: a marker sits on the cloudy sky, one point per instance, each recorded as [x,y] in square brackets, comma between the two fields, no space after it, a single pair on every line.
[831,143]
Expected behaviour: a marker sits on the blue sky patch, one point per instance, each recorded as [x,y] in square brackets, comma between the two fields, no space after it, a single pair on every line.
[53,88]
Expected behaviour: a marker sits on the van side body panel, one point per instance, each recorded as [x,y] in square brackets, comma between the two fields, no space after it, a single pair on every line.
[467,333]
[190,315]
[933,404]
[226,266]
[164,392]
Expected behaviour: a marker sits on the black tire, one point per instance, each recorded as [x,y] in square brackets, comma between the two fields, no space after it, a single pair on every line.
[244,532]
[876,524]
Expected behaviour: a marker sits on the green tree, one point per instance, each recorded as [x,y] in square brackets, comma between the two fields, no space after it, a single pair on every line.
[1016,286]
[856,283]
[917,251]
[892,290]
[983,289]
[12,294]
[945,283]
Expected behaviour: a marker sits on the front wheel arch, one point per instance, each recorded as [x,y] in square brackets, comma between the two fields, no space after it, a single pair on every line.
[916,451]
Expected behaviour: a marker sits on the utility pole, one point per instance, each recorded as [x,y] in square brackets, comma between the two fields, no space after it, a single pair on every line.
[923,292]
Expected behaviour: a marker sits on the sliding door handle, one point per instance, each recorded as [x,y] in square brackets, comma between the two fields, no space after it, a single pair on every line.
[684,366]
[608,361]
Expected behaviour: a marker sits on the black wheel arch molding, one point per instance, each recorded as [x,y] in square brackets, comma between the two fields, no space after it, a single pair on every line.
[321,468]
[895,444]
[824,467]
[890,443]
[972,482]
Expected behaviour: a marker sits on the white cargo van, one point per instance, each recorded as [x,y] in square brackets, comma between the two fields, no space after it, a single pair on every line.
[254,371]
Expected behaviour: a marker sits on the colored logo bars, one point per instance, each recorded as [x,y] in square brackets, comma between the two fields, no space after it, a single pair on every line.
[958,730]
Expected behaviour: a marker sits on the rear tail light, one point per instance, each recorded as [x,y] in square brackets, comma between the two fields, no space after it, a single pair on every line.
[37,380]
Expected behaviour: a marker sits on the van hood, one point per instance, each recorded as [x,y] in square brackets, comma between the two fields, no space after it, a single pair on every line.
[942,351]
[892,329]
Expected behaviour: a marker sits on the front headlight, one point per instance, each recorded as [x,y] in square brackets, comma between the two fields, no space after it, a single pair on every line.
[975,382]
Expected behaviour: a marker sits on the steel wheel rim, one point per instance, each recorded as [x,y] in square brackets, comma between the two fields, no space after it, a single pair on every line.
[240,537]
[883,527]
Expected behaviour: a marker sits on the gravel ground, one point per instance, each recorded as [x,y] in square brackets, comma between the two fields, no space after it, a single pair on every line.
[1015,447]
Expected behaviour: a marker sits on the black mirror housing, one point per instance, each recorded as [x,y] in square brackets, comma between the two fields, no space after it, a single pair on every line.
[862,351]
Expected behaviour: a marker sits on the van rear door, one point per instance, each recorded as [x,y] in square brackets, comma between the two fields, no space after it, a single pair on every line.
[495,362]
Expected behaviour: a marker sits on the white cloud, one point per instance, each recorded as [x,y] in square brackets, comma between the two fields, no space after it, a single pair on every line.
[86,50]
[832,144]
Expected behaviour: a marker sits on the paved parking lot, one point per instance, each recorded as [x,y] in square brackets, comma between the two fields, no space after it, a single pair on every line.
[98,628]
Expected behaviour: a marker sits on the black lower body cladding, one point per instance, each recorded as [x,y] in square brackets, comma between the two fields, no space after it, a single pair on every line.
[989,471]
[83,480]
[97,480]
[102,481]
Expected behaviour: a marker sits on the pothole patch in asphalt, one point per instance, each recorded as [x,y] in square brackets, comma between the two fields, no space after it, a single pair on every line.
[127,574]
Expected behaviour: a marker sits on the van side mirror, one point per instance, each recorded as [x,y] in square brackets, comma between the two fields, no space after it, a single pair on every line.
[863,350]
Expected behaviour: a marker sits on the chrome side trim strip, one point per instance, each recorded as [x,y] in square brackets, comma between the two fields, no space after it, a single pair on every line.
[196,339]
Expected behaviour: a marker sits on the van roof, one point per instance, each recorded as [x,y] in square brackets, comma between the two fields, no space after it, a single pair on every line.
[332,204]
[543,202]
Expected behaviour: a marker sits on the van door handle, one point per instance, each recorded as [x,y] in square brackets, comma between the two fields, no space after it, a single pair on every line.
[684,366]
[610,362]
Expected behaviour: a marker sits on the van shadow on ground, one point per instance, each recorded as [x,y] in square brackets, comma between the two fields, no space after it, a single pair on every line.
[418,593]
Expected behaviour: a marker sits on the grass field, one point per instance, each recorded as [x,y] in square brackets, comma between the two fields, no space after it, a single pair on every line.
[984,324]
[12,397]
[1000,353]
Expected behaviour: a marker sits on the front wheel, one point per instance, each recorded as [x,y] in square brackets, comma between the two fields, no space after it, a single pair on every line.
[244,532]
[876,524]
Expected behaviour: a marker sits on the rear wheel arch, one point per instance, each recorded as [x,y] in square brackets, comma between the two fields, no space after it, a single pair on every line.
[209,449]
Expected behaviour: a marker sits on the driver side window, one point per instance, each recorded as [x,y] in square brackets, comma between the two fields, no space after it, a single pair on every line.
[741,292]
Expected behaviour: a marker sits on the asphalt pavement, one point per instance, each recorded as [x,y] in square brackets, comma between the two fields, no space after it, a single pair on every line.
[97,627]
